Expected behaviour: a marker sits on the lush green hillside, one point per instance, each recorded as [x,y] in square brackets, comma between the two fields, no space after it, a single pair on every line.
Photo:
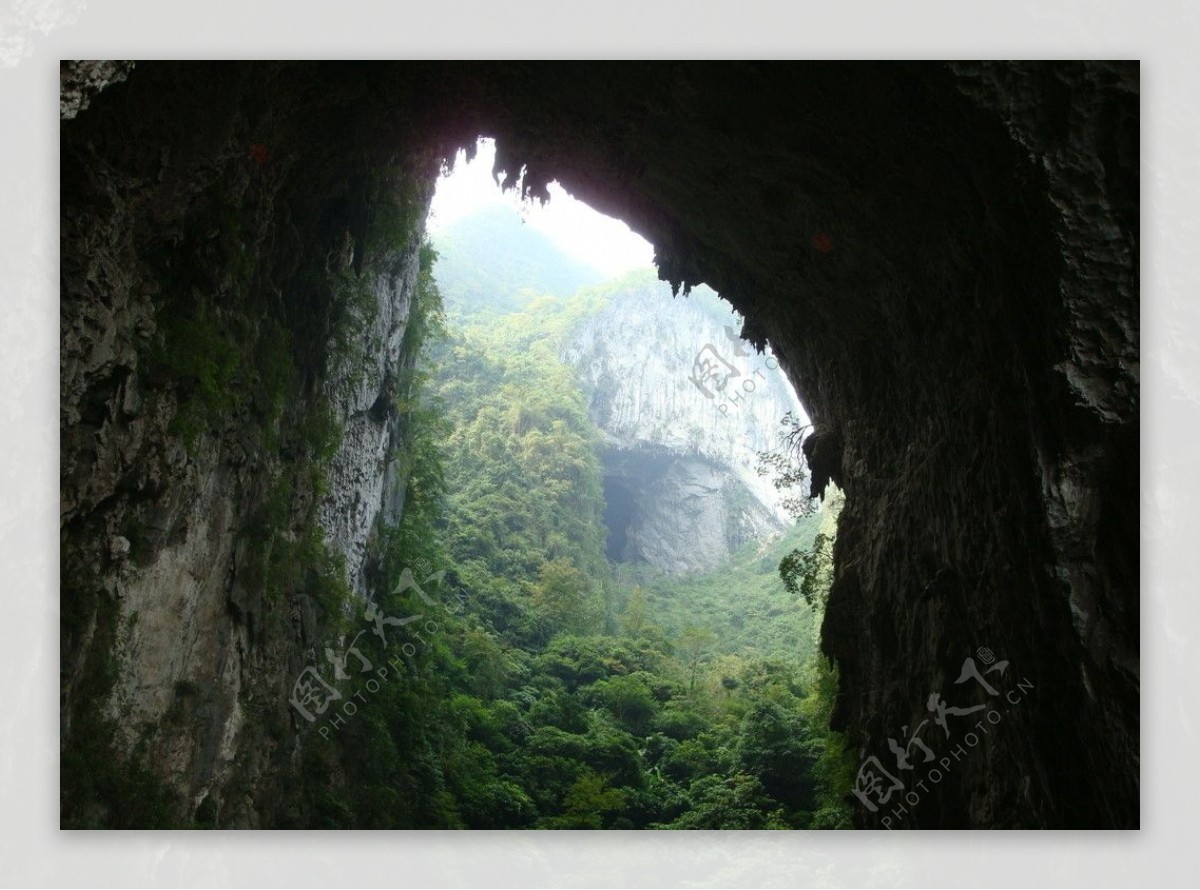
[742,603]
[542,687]
[493,262]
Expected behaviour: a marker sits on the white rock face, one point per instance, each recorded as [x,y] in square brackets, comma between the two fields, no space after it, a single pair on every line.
[359,475]
[671,376]
[176,640]
[672,372]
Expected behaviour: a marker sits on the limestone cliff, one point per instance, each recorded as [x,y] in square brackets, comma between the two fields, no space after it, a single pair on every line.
[685,407]
[228,407]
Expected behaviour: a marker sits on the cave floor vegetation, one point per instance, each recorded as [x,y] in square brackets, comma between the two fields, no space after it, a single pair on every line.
[542,685]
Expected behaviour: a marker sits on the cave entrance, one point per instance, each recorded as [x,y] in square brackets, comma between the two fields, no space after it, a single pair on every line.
[947,262]
[683,407]
[620,502]
[606,509]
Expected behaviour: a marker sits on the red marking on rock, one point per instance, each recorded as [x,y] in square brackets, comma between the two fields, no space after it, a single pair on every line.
[259,153]
[822,242]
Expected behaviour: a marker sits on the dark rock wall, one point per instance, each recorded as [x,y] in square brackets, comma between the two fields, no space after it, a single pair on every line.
[945,260]
[214,220]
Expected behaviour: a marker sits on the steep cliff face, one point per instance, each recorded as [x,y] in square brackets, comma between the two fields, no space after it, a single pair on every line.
[685,407]
[364,480]
[208,364]
[943,259]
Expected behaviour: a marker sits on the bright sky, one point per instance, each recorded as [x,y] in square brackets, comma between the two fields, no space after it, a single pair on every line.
[601,241]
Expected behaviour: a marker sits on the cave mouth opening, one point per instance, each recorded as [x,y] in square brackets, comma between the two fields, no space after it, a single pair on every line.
[475,182]
[952,297]
[676,537]
[562,245]
[619,513]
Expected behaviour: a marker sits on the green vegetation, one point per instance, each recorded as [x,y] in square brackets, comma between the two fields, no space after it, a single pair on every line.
[198,355]
[542,687]
[787,469]
[520,679]
[496,264]
[808,572]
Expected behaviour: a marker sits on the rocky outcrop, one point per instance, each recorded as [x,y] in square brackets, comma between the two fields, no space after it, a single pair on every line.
[79,81]
[363,482]
[943,259]
[222,389]
[685,407]
[675,374]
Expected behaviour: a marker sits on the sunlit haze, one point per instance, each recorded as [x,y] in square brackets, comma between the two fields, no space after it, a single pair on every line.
[598,240]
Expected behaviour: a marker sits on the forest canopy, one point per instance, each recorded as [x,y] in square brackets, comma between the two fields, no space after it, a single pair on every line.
[557,689]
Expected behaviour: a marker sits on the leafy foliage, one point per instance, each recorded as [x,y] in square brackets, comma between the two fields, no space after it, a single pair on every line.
[806,572]
[496,263]
[556,692]
[200,357]
[787,466]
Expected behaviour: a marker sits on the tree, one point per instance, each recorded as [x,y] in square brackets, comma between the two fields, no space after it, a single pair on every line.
[693,644]
[808,573]
[776,746]
[628,699]
[588,802]
[634,617]
[736,803]
[563,598]
[789,467]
